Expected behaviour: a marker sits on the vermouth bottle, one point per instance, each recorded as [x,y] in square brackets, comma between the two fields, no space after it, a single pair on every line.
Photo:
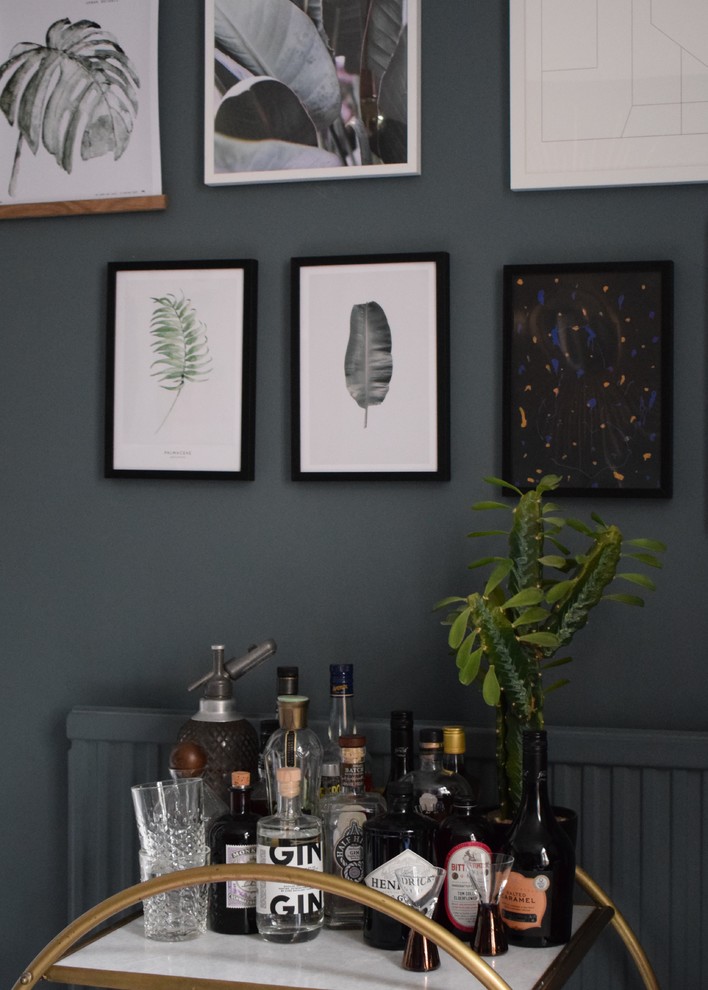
[463,843]
[343,818]
[232,839]
[287,912]
[388,840]
[537,902]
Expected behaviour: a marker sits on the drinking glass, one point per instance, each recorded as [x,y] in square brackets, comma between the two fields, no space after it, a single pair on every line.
[175,915]
[420,887]
[488,878]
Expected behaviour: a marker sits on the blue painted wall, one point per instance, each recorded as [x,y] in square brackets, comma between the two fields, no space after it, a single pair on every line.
[113,590]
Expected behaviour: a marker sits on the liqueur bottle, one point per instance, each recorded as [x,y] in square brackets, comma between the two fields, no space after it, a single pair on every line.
[294,744]
[463,843]
[454,747]
[401,746]
[389,840]
[341,721]
[287,912]
[433,787]
[537,902]
[232,839]
[343,818]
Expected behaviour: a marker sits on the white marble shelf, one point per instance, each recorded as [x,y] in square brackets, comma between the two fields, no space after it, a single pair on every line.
[334,960]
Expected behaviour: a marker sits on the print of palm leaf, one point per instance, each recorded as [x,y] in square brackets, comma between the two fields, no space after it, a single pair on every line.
[181,343]
[78,86]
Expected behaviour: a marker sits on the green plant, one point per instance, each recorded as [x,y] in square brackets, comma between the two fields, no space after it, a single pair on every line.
[180,342]
[536,598]
[79,87]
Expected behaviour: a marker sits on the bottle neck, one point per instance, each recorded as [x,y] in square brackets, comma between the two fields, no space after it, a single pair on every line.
[401,753]
[341,717]
[289,806]
[454,762]
[431,759]
[240,801]
[534,792]
[352,776]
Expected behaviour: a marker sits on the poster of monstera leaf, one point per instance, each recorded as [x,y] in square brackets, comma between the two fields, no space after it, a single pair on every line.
[370,367]
[79,104]
[323,90]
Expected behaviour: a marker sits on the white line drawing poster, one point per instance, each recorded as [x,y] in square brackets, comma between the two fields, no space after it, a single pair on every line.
[78,100]
[608,92]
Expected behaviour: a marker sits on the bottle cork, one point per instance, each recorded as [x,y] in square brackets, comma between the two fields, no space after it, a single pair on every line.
[240,778]
[288,780]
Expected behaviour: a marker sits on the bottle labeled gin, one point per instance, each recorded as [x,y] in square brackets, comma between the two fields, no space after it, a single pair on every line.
[343,818]
[287,912]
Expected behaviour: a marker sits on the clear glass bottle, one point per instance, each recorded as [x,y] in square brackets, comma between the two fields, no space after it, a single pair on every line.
[463,839]
[289,912]
[232,839]
[294,744]
[537,902]
[433,787]
[343,818]
[401,747]
[400,832]
[454,748]
[341,718]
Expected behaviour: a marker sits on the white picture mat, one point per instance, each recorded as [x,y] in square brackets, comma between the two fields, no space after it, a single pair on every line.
[134,24]
[608,92]
[410,167]
[402,432]
[203,430]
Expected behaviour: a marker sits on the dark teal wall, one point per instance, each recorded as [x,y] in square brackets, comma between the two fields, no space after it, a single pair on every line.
[113,590]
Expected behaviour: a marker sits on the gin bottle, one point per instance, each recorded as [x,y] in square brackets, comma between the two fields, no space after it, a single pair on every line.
[287,912]
[232,839]
[294,744]
[343,818]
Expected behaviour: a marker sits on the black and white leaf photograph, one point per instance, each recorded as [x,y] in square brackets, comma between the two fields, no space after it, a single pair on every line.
[78,100]
[296,89]
[181,369]
[370,367]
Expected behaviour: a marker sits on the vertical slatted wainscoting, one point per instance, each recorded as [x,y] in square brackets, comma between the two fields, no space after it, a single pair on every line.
[642,798]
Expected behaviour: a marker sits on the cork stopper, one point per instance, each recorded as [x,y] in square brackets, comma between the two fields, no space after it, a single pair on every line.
[240,778]
[288,780]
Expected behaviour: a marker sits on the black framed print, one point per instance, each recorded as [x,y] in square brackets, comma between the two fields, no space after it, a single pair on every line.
[180,391]
[370,367]
[587,377]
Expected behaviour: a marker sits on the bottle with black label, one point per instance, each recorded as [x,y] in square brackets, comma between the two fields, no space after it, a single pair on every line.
[343,818]
[390,840]
[537,902]
[463,843]
[232,839]
[287,912]
[401,746]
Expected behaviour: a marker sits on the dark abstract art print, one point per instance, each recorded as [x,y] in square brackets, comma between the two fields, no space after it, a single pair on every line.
[587,388]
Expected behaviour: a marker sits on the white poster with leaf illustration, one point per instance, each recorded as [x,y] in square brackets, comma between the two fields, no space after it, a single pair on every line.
[325,90]
[181,361]
[78,100]
[370,367]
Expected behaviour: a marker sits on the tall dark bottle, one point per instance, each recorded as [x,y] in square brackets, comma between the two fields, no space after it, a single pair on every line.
[401,747]
[232,839]
[390,840]
[537,903]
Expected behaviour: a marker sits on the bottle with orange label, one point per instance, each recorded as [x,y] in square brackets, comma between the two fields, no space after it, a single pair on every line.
[537,902]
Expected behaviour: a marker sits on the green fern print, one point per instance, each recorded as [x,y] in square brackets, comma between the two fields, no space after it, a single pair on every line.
[180,341]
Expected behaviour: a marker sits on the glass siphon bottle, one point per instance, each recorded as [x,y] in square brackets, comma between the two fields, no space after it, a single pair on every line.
[294,744]
[464,839]
[343,818]
[389,839]
[433,787]
[537,902]
[454,748]
[233,839]
[341,722]
[401,746]
[287,912]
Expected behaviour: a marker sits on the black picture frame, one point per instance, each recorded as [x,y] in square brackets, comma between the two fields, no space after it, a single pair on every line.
[587,377]
[359,414]
[180,369]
